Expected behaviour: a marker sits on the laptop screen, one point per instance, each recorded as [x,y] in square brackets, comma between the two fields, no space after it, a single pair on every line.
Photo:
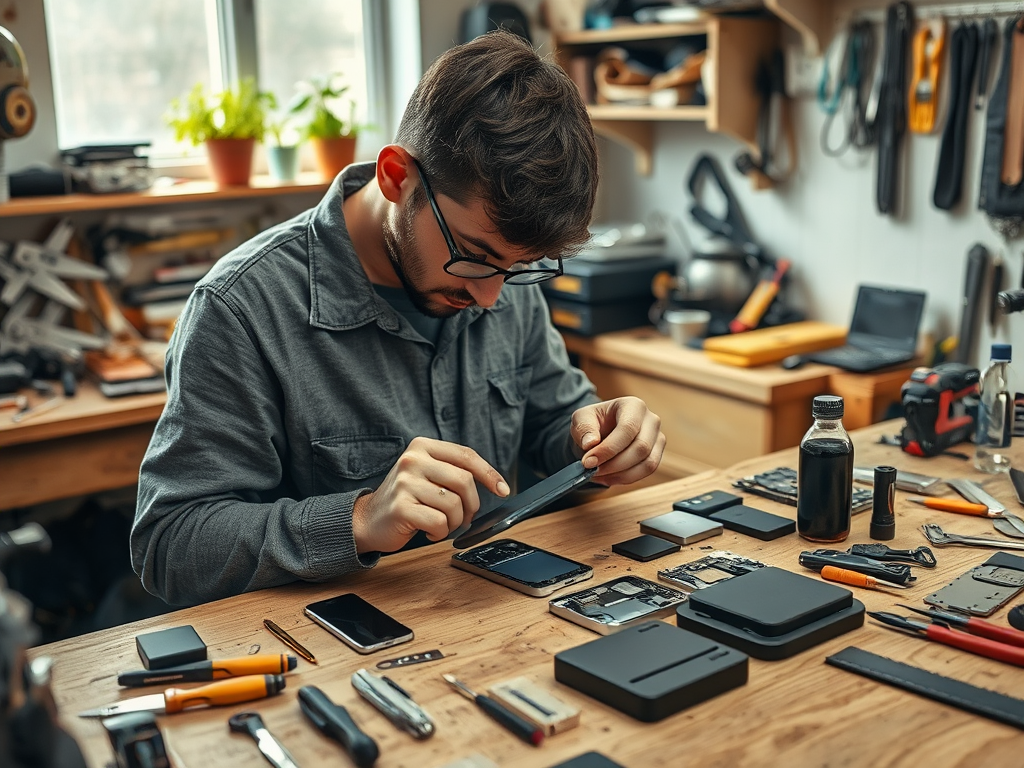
[886,317]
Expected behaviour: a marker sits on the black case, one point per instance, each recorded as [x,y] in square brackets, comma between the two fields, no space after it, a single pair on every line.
[706,503]
[771,613]
[608,281]
[170,647]
[652,670]
[754,522]
[645,548]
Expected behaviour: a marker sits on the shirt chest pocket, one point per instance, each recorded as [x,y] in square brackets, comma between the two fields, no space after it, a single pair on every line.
[508,392]
[348,463]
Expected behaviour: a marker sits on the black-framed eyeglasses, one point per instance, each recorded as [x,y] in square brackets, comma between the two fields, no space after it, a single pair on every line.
[475,269]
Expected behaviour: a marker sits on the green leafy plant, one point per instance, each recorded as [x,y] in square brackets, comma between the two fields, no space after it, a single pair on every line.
[231,114]
[319,97]
[282,132]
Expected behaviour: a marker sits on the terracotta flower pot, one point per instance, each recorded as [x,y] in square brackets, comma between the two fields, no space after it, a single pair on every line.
[230,161]
[333,154]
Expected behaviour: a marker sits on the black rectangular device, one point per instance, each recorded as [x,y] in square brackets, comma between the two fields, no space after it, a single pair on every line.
[652,670]
[645,548]
[358,624]
[522,567]
[524,505]
[706,503]
[754,522]
[170,647]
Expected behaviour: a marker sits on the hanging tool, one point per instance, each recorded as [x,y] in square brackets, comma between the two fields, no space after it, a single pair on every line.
[949,172]
[178,699]
[854,579]
[857,64]
[333,720]
[732,227]
[929,53]
[892,105]
[202,671]
[973,625]
[989,40]
[1013,140]
[940,633]
[394,703]
[974,277]
[521,728]
[272,749]
[920,556]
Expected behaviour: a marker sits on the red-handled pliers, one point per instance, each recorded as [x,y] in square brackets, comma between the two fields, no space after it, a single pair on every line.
[940,633]
[974,626]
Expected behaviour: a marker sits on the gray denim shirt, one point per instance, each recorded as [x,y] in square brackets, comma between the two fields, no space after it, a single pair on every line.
[293,388]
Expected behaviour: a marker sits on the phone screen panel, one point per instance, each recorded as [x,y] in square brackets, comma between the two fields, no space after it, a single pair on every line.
[536,567]
[353,617]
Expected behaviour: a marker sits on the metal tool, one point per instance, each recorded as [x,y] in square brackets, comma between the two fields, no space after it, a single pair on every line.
[520,727]
[288,640]
[940,633]
[333,720]
[920,556]
[891,573]
[394,703]
[971,491]
[202,671]
[414,658]
[940,538]
[973,626]
[174,700]
[272,749]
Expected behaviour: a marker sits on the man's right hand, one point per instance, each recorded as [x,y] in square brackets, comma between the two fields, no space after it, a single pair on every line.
[431,488]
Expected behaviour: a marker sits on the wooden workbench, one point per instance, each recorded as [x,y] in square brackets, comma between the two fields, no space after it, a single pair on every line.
[795,712]
[88,443]
[715,414]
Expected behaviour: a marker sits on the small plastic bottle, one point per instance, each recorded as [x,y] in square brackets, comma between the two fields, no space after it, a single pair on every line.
[825,477]
[995,414]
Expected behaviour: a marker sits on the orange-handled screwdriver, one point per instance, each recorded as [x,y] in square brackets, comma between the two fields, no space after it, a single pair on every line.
[201,671]
[953,505]
[855,579]
[173,700]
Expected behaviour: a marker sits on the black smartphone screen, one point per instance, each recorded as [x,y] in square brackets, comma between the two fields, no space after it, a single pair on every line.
[536,567]
[355,618]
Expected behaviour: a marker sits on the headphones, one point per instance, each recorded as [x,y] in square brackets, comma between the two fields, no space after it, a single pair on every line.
[17,109]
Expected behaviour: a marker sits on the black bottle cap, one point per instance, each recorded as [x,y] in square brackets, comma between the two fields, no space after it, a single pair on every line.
[827,407]
[883,516]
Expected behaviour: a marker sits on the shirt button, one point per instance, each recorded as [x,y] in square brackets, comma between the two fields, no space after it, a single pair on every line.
[448,413]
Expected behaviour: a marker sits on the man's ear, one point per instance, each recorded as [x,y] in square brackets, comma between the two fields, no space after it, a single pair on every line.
[396,172]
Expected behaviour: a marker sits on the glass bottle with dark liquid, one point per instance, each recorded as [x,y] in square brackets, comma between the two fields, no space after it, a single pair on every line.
[825,475]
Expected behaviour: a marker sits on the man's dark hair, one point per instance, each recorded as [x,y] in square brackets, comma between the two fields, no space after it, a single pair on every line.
[492,120]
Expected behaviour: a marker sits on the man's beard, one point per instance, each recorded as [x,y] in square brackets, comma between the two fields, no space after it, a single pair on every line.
[401,242]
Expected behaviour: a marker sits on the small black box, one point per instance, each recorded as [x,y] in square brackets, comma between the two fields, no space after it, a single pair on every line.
[588,319]
[754,522]
[706,503]
[615,280]
[170,647]
[645,548]
[652,670]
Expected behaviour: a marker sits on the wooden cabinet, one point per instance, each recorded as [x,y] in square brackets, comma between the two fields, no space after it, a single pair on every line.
[735,47]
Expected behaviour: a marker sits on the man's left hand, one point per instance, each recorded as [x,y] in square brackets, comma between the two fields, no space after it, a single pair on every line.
[620,436]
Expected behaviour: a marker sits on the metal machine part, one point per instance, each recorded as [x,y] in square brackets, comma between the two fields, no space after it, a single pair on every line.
[710,569]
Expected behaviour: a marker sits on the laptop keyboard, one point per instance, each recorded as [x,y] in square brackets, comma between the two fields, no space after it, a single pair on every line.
[842,356]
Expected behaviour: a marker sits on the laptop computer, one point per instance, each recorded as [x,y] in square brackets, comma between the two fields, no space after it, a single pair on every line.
[883,331]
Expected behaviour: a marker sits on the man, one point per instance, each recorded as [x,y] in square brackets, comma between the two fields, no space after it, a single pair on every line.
[358,374]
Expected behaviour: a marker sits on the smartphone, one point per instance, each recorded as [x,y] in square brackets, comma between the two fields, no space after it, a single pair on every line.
[523,505]
[358,624]
[522,567]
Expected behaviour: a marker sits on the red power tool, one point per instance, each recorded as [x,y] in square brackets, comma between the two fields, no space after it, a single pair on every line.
[933,403]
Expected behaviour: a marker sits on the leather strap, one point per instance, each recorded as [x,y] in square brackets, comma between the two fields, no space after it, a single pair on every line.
[949,173]
[892,106]
[1013,140]
[1003,203]
[979,701]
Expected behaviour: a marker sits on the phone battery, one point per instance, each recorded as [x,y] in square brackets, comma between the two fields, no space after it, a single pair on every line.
[617,604]
[681,527]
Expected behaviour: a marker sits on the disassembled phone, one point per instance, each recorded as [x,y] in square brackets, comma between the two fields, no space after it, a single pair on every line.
[523,505]
[710,569]
[780,485]
[617,604]
[358,624]
[522,567]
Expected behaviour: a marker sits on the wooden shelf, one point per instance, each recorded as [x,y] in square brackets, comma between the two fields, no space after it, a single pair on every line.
[625,33]
[184,192]
[639,112]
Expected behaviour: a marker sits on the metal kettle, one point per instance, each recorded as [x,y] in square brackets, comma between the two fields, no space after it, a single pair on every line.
[719,275]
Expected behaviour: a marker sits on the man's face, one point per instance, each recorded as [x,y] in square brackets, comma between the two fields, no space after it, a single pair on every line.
[418,253]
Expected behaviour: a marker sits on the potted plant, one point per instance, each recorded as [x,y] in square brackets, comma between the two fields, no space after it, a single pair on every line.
[228,123]
[332,136]
[282,150]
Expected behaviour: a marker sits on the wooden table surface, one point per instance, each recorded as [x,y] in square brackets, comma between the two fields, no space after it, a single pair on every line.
[795,712]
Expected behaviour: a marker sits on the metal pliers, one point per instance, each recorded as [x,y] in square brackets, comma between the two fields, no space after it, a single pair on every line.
[939,632]
[394,703]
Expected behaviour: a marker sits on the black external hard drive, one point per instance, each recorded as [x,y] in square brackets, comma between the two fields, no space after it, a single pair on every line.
[707,503]
[645,548]
[754,522]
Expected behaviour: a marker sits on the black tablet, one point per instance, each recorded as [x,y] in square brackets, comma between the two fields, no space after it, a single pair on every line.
[517,508]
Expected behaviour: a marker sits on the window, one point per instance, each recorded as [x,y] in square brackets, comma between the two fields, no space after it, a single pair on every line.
[117,64]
